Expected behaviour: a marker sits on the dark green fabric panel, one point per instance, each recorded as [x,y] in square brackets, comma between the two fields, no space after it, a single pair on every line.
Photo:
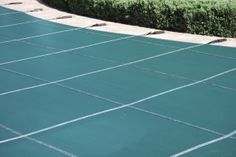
[69,40]
[190,64]
[10,81]
[18,50]
[59,67]
[123,51]
[30,29]
[227,81]
[219,51]
[15,18]
[27,148]
[39,108]
[126,84]
[126,133]
[203,105]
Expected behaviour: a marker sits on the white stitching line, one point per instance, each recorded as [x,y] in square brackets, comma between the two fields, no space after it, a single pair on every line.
[49,146]
[115,108]
[44,47]
[96,71]
[61,85]
[192,51]
[20,23]
[165,45]
[179,121]
[68,50]
[159,72]
[204,144]
[42,35]
[30,21]
[176,76]
[119,103]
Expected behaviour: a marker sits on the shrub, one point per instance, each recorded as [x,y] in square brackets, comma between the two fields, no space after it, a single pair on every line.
[207,17]
[59,4]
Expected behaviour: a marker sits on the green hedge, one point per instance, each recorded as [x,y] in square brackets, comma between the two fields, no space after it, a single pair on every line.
[207,17]
[59,4]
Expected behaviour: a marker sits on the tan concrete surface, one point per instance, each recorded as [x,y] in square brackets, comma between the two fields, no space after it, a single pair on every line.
[80,21]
